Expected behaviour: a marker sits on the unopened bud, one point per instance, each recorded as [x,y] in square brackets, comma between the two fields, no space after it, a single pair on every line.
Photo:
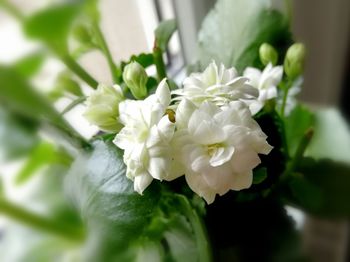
[82,34]
[103,107]
[294,60]
[268,54]
[135,77]
[65,83]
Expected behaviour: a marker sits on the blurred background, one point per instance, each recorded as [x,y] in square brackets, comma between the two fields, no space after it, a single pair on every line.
[324,27]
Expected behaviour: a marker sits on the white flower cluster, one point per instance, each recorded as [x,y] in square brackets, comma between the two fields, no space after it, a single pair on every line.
[206,132]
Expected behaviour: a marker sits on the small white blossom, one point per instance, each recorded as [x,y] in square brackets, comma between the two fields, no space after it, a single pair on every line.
[102,107]
[217,85]
[218,147]
[266,82]
[146,138]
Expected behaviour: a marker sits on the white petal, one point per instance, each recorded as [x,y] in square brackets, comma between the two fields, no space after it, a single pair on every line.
[200,163]
[183,113]
[199,186]
[163,93]
[243,161]
[242,181]
[253,74]
[158,167]
[166,128]
[221,156]
[141,182]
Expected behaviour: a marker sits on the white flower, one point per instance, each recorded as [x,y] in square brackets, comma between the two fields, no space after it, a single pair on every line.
[217,85]
[218,147]
[145,138]
[102,107]
[266,82]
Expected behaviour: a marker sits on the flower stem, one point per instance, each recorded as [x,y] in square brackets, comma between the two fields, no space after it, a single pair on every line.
[12,9]
[285,96]
[104,47]
[299,153]
[78,70]
[36,221]
[159,62]
[204,249]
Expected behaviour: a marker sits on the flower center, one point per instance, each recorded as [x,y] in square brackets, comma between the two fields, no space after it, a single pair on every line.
[171,115]
[143,134]
[211,149]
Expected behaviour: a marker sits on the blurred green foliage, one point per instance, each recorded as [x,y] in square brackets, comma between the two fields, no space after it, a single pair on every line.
[234,30]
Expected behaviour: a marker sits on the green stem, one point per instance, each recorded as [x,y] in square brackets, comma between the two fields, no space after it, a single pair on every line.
[79,71]
[36,221]
[204,248]
[285,96]
[289,10]
[12,9]
[159,62]
[299,153]
[104,47]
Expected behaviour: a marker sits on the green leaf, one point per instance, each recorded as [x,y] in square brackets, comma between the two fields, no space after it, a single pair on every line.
[16,95]
[18,135]
[260,175]
[163,33]
[296,124]
[115,214]
[47,194]
[234,30]
[42,155]
[272,125]
[331,138]
[143,59]
[52,25]
[122,223]
[30,65]
[321,187]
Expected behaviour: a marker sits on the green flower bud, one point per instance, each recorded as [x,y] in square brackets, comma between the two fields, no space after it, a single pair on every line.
[135,77]
[268,54]
[103,107]
[294,60]
[82,34]
[66,84]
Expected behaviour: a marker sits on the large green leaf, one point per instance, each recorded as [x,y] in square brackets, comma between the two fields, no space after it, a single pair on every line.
[332,137]
[233,31]
[52,25]
[296,124]
[321,187]
[122,223]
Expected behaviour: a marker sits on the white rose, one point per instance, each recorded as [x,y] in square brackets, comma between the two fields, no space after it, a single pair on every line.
[266,82]
[217,85]
[146,138]
[218,147]
[102,107]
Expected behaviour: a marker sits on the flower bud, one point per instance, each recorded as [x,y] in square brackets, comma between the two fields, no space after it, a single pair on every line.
[103,107]
[294,60]
[81,33]
[135,77]
[65,83]
[268,54]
